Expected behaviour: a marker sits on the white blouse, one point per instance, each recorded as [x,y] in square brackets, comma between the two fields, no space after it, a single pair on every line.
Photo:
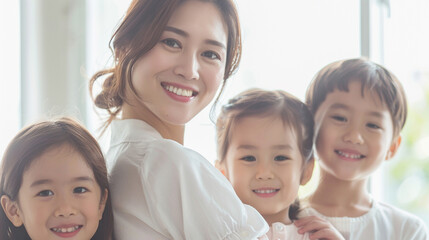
[162,190]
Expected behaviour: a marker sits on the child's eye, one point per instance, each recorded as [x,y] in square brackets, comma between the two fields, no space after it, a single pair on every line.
[211,55]
[80,190]
[339,118]
[171,43]
[372,125]
[248,158]
[45,193]
[281,158]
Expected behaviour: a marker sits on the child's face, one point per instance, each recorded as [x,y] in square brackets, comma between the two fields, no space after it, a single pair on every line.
[264,165]
[180,75]
[355,134]
[59,197]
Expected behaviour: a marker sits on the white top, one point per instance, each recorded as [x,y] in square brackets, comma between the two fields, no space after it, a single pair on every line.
[162,190]
[280,231]
[381,222]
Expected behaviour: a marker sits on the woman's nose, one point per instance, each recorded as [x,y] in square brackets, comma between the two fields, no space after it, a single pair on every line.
[188,66]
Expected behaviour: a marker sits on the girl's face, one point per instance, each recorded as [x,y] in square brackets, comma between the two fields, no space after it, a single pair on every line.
[180,75]
[265,166]
[59,197]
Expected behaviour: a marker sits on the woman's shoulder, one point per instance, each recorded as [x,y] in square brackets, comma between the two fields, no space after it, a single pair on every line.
[150,150]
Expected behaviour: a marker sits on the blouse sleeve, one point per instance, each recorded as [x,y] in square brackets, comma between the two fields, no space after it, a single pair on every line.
[192,199]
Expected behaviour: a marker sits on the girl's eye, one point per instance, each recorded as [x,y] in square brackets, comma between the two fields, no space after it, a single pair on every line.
[211,55]
[45,193]
[80,190]
[372,125]
[339,118]
[171,43]
[281,158]
[248,158]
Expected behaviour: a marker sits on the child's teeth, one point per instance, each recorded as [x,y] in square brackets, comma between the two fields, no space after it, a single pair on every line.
[65,230]
[347,155]
[265,191]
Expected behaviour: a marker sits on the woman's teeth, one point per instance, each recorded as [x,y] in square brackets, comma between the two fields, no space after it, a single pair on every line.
[179,91]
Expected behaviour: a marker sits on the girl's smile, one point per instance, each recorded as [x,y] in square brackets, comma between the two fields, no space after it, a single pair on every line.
[59,196]
[67,231]
[263,158]
[266,192]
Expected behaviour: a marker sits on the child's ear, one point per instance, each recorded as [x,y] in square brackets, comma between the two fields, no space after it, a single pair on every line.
[103,201]
[307,172]
[11,210]
[394,147]
[221,167]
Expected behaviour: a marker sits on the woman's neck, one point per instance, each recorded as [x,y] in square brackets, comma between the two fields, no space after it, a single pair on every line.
[339,198]
[167,131]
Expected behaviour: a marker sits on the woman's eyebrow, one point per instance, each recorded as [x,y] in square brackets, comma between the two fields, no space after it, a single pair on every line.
[186,35]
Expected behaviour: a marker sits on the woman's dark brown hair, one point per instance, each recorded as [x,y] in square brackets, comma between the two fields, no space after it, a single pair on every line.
[257,102]
[138,33]
[31,142]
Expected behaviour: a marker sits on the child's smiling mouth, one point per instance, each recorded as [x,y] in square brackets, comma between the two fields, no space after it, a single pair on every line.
[349,155]
[266,192]
[66,231]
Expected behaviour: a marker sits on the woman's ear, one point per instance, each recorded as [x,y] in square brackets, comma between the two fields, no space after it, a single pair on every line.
[221,167]
[307,171]
[394,147]
[11,210]
[103,200]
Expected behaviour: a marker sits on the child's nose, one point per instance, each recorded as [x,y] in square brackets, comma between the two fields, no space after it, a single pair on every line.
[353,135]
[264,171]
[65,208]
[188,66]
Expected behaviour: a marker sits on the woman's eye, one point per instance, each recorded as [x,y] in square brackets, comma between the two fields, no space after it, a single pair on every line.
[248,158]
[80,190]
[339,118]
[171,43]
[45,193]
[281,158]
[211,55]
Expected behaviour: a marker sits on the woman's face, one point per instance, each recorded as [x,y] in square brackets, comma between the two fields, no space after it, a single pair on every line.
[181,74]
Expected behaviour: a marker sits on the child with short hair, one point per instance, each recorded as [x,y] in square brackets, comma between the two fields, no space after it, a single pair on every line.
[265,142]
[359,109]
[54,185]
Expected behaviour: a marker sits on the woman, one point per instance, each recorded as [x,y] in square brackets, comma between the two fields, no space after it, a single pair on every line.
[171,58]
